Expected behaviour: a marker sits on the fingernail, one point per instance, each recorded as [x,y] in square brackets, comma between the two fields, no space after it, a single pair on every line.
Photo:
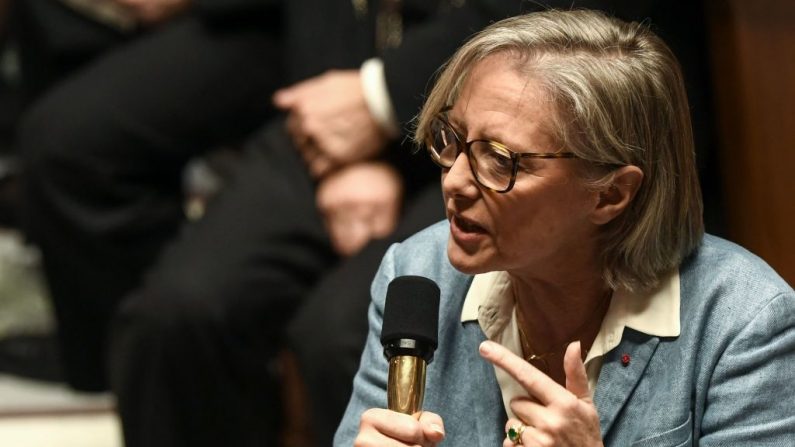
[437,428]
[485,347]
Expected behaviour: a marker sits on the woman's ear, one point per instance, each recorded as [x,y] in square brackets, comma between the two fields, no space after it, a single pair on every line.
[618,195]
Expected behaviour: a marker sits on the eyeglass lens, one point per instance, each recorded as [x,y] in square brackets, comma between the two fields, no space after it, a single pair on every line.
[491,165]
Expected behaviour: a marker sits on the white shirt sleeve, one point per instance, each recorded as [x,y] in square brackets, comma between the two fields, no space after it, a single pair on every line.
[376,96]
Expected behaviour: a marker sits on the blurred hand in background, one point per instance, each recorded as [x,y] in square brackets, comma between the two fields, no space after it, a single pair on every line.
[359,203]
[152,12]
[330,122]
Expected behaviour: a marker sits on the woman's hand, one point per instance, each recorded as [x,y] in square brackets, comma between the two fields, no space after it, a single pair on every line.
[385,428]
[553,415]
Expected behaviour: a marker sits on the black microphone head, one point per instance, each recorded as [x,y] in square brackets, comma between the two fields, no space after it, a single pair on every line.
[411,317]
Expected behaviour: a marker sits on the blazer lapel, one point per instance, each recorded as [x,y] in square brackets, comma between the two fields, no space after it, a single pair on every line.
[617,379]
[485,397]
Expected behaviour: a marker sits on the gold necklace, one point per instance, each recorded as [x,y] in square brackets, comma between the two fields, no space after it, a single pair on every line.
[541,360]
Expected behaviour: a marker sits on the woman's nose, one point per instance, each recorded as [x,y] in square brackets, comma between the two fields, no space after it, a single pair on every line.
[458,179]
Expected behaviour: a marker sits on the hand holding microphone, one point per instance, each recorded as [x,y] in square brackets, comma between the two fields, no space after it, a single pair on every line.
[380,427]
[409,335]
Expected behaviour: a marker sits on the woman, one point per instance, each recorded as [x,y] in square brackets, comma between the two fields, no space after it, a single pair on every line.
[575,260]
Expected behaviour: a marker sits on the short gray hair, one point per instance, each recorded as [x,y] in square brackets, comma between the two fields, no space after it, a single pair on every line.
[619,98]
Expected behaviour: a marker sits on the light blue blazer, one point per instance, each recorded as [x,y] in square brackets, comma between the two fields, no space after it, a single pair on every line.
[727,379]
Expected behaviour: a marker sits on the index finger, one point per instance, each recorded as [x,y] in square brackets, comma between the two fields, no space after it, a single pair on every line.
[538,384]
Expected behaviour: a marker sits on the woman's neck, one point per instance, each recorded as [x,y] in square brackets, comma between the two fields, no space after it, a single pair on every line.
[555,314]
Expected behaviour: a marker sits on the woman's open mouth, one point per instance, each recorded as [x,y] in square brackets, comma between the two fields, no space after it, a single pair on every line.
[466,225]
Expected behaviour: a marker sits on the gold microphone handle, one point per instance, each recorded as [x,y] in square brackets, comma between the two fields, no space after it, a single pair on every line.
[406,387]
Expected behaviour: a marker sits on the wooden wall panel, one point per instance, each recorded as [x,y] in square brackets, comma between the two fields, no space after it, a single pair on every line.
[753,56]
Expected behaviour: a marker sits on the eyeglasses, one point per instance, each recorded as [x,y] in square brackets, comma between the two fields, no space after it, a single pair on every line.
[493,165]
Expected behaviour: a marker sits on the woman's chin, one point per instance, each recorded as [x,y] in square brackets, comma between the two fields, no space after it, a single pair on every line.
[469,263]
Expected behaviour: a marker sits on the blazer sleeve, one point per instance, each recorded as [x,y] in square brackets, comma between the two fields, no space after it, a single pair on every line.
[369,384]
[749,401]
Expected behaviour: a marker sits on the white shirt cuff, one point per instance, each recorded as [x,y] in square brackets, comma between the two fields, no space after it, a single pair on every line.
[376,96]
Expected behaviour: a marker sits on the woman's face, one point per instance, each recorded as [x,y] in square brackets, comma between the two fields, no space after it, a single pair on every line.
[542,225]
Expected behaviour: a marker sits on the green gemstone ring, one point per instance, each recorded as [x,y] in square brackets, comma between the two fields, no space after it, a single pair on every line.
[515,434]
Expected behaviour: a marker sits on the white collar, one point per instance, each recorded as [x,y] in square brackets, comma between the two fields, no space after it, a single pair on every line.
[490,301]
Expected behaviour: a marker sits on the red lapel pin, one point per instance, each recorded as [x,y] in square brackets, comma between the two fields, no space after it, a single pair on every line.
[625,359]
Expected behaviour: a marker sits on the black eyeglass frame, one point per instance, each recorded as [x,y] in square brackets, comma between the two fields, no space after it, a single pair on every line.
[515,156]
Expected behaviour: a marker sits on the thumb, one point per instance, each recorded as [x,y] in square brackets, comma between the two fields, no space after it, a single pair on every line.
[432,427]
[284,98]
[576,377]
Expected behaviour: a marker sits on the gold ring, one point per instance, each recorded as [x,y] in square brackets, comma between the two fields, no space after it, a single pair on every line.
[515,433]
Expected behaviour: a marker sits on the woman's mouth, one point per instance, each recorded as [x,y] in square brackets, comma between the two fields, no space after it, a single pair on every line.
[467,226]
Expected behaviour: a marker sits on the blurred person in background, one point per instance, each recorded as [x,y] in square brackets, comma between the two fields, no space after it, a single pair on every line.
[122,94]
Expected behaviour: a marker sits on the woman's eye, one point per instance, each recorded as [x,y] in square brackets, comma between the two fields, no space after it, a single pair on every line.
[499,162]
[528,166]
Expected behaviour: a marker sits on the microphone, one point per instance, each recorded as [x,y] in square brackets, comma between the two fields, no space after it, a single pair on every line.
[409,336]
